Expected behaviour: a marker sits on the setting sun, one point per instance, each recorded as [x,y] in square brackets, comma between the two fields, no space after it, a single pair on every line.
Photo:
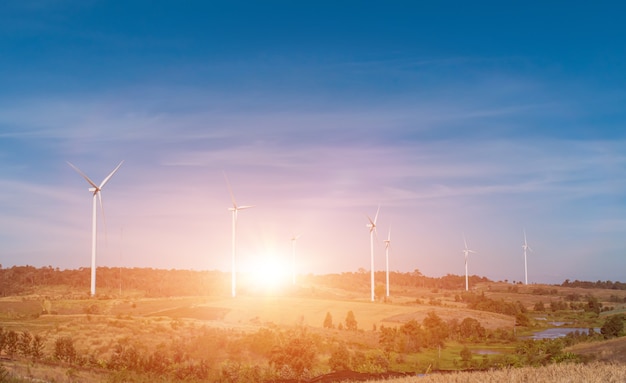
[267,274]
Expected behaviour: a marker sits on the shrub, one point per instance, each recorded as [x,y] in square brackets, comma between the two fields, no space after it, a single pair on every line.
[351,323]
[64,349]
[340,358]
[328,321]
[613,326]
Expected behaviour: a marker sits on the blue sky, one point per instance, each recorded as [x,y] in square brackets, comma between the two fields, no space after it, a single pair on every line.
[482,118]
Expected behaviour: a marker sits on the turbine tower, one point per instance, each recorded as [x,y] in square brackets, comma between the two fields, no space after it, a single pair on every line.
[372,226]
[525,247]
[466,251]
[234,210]
[294,238]
[387,245]
[97,195]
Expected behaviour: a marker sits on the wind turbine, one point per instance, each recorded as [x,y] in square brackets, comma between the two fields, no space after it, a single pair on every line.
[294,238]
[96,190]
[466,251]
[387,245]
[372,227]
[525,247]
[234,210]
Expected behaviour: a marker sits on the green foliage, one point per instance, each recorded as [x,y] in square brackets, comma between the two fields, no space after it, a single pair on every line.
[470,329]
[483,303]
[466,354]
[613,326]
[436,330]
[593,305]
[351,323]
[540,352]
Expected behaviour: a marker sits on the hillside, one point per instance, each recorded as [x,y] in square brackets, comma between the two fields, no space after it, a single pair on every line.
[613,350]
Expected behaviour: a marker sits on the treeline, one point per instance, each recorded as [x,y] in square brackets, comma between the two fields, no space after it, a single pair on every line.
[152,282]
[360,280]
[610,285]
[163,283]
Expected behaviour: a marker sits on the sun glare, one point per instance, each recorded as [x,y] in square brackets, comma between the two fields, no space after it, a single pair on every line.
[268,274]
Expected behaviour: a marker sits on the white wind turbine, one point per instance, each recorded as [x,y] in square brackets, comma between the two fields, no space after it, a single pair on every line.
[525,247]
[387,246]
[294,238]
[372,226]
[466,251]
[234,210]
[96,190]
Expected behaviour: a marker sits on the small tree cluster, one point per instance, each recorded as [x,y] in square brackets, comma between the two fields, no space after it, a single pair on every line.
[21,343]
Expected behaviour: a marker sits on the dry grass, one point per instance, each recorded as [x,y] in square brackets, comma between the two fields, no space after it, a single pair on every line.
[613,350]
[562,373]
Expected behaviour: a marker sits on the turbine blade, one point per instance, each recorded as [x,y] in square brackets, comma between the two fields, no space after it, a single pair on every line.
[245,207]
[230,190]
[83,174]
[110,175]
[372,224]
[464,241]
[376,216]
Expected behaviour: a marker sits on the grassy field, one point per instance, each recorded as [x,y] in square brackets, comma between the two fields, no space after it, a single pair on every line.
[97,325]
[561,373]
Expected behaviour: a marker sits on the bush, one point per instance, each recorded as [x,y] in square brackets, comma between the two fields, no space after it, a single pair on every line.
[613,326]
[340,358]
[64,349]
[351,323]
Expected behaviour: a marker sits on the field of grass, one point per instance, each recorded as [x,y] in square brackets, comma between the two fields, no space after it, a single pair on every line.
[613,350]
[562,373]
[97,325]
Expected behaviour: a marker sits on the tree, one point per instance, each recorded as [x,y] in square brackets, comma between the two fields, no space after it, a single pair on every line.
[296,353]
[36,349]
[340,358]
[64,349]
[328,321]
[613,326]
[351,323]
[471,328]
[539,306]
[466,354]
[12,343]
[436,329]
[24,343]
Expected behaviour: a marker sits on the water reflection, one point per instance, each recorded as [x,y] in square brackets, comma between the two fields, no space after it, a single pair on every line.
[553,333]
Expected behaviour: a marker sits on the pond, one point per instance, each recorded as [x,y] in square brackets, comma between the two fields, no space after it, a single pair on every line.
[558,332]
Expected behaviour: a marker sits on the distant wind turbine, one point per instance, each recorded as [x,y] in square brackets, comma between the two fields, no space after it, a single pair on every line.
[525,247]
[387,246]
[466,251]
[234,210]
[294,238]
[372,226]
[96,190]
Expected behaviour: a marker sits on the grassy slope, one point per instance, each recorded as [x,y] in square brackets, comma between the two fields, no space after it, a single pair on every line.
[613,350]
[562,373]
